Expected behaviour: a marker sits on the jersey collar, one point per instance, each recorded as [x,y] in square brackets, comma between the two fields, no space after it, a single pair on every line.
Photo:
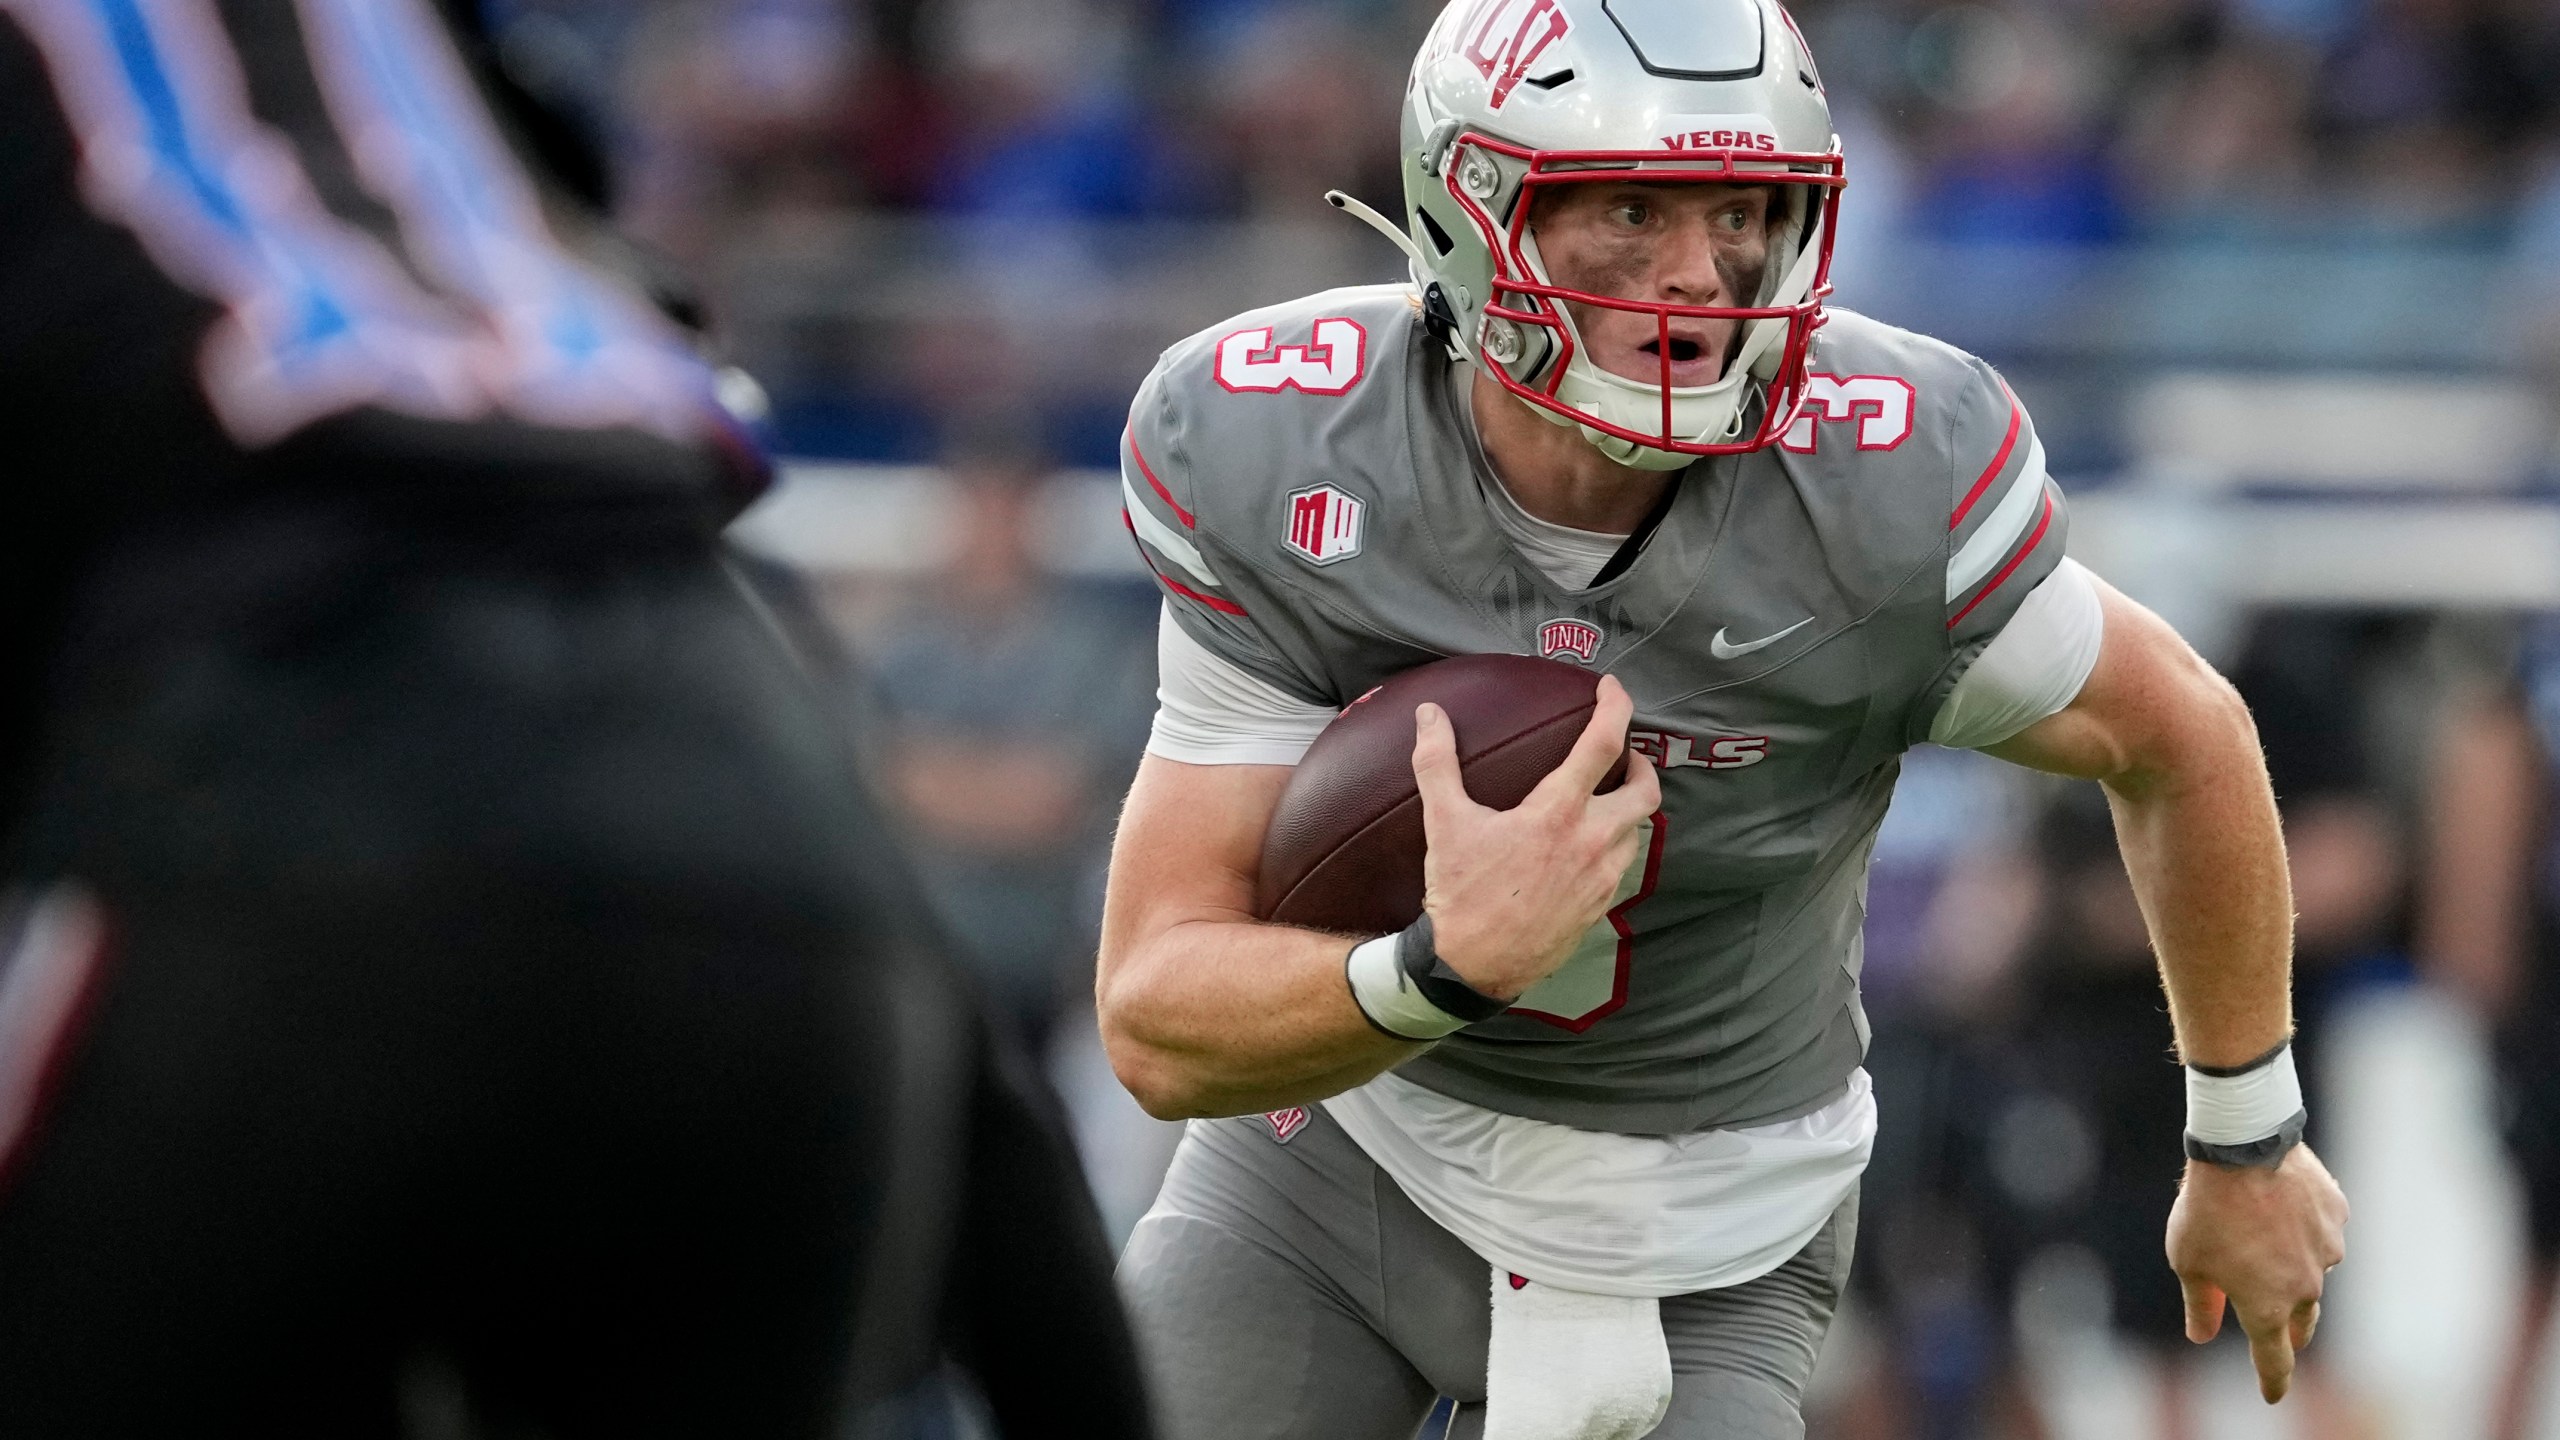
[1644,582]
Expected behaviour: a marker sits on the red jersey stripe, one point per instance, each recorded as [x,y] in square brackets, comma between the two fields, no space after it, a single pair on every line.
[1185,516]
[1999,462]
[2043,521]
[1177,587]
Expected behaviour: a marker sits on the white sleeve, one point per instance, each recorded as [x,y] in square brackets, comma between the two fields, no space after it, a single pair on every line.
[1210,711]
[2032,668]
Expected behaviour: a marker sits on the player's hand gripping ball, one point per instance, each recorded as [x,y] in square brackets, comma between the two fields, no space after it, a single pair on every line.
[1345,847]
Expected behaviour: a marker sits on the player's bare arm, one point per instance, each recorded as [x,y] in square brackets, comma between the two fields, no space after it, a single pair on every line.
[2178,755]
[1206,1011]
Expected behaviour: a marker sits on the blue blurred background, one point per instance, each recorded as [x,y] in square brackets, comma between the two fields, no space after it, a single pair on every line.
[2280,280]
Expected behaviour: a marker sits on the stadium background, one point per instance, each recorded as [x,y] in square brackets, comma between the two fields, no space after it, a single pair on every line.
[2280,280]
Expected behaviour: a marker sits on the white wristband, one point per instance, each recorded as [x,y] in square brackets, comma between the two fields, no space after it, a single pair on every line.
[1387,994]
[2243,1109]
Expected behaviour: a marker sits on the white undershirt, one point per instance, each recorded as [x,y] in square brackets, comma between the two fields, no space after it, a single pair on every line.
[1586,1210]
[1636,1215]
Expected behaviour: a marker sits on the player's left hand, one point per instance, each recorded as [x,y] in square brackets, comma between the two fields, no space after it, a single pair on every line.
[2265,1240]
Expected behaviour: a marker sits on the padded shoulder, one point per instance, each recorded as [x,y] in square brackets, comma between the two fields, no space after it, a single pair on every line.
[1945,468]
[1259,435]
[1253,405]
[1898,386]
[1930,440]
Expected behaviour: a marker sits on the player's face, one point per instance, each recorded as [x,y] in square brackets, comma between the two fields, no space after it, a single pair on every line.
[1668,244]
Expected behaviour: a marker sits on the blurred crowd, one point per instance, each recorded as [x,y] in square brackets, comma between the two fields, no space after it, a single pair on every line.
[894,206]
[911,215]
[2078,120]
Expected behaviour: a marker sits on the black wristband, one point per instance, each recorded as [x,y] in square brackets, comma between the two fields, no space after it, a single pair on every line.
[1439,984]
[2264,1154]
[2227,1072]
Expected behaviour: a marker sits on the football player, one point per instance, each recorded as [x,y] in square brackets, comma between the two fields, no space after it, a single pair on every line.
[449,983]
[1581,1148]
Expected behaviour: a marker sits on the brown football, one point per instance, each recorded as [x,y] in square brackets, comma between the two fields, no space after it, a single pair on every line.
[1344,851]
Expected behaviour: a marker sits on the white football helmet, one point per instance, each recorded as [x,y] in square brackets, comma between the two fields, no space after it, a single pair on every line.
[1510,95]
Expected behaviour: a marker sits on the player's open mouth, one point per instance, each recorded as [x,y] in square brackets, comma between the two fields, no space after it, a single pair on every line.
[1695,359]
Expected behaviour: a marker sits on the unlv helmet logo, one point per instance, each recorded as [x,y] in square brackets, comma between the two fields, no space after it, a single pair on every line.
[1504,38]
[1324,524]
[1574,640]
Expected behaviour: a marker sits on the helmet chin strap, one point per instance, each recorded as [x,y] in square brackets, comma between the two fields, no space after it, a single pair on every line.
[1415,266]
[1375,221]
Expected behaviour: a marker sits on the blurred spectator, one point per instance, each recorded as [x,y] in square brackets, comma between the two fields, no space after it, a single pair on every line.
[1955,888]
[1012,706]
[2215,136]
[898,130]
[2015,159]
[2081,1154]
[2424,101]
[1053,125]
[2489,929]
[730,106]
[2312,680]
[1303,102]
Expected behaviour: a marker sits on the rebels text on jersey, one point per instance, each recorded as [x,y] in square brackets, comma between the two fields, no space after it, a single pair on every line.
[1305,483]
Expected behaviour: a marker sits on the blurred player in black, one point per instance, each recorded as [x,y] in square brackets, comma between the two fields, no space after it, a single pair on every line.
[448,982]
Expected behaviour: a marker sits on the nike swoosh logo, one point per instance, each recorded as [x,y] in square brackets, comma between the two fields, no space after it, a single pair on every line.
[1726,650]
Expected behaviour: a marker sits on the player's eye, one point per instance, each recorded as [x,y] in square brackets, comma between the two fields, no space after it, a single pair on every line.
[1631,212]
[1735,221]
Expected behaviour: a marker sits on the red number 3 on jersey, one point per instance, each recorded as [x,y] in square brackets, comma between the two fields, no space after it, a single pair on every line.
[1330,362]
[1881,404]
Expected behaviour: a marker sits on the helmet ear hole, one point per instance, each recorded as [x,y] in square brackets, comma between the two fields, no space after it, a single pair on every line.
[1439,238]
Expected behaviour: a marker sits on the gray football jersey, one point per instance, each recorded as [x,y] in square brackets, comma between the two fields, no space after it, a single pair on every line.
[1305,482]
